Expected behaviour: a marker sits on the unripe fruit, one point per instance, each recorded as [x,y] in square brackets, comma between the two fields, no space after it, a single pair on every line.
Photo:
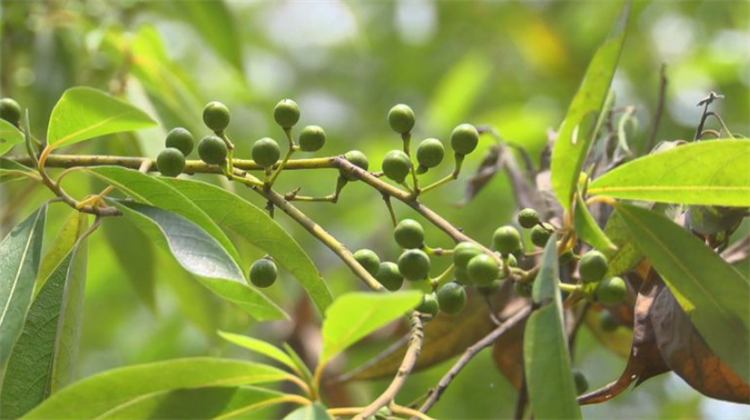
[266,152]
[429,305]
[263,272]
[611,290]
[10,111]
[593,266]
[452,298]
[216,116]
[212,150]
[464,252]
[430,153]
[389,276]
[170,162]
[369,260]
[461,275]
[607,321]
[506,240]
[464,139]
[522,289]
[396,165]
[489,289]
[401,118]
[414,265]
[483,270]
[409,234]
[357,159]
[286,113]
[582,384]
[528,218]
[540,234]
[180,139]
[312,138]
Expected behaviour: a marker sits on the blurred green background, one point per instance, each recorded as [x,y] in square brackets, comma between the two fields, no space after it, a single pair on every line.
[512,65]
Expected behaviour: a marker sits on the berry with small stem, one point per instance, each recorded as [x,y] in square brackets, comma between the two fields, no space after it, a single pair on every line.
[611,290]
[263,272]
[312,138]
[170,162]
[286,113]
[396,165]
[528,218]
[389,276]
[464,139]
[582,384]
[216,116]
[540,234]
[593,266]
[452,298]
[463,252]
[357,159]
[401,118]
[266,152]
[429,305]
[181,139]
[10,111]
[414,265]
[483,270]
[212,150]
[507,240]
[409,234]
[369,260]
[430,153]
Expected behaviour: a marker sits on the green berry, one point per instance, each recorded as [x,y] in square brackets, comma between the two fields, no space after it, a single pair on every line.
[369,260]
[483,270]
[212,150]
[464,139]
[170,162]
[401,118]
[489,289]
[389,276]
[461,275]
[409,234]
[582,384]
[286,113]
[464,252]
[593,266]
[452,298]
[528,218]
[10,111]
[506,240]
[540,234]
[429,305]
[263,272]
[414,265]
[522,289]
[312,138]
[607,321]
[396,165]
[180,139]
[216,116]
[266,152]
[430,153]
[357,159]
[611,290]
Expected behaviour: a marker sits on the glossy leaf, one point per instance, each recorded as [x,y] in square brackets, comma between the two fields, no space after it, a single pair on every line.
[552,392]
[83,113]
[314,411]
[65,240]
[260,347]
[43,357]
[715,172]
[201,255]
[252,223]
[20,253]
[713,293]
[574,138]
[9,136]
[354,315]
[107,392]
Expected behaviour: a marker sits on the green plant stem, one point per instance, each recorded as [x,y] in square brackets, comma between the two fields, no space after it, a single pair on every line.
[289,153]
[406,137]
[570,287]
[389,205]
[447,178]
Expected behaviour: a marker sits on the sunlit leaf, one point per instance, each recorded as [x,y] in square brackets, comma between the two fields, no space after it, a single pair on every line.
[715,172]
[588,229]
[309,412]
[9,136]
[260,347]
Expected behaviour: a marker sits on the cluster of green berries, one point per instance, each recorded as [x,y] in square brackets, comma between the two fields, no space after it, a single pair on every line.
[592,269]
[540,231]
[263,272]
[10,111]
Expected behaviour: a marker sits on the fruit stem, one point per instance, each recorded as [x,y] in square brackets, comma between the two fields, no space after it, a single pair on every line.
[406,137]
[289,152]
[567,287]
[448,178]
[443,278]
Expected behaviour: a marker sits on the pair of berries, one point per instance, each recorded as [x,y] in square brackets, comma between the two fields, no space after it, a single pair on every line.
[473,266]
[593,268]
[387,273]
[180,143]
[450,298]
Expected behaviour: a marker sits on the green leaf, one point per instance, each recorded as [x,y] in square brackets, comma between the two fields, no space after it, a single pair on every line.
[9,136]
[152,190]
[552,391]
[574,139]
[259,346]
[711,172]
[354,315]
[252,223]
[713,293]
[107,392]
[135,253]
[201,255]
[314,411]
[13,171]
[64,242]
[83,113]
[216,24]
[587,228]
[20,253]
[301,366]
[43,358]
